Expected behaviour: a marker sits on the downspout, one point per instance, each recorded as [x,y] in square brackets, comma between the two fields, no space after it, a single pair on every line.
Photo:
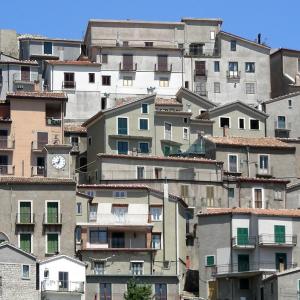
[151,253]
[231,257]
[182,67]
[166,196]
[8,77]
[239,184]
[248,161]
[52,78]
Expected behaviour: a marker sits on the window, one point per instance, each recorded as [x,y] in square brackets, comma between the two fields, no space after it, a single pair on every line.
[163,82]
[250,88]
[156,213]
[290,103]
[25,271]
[46,273]
[278,195]
[156,240]
[168,131]
[90,140]
[254,124]
[233,163]
[224,122]
[186,84]
[233,67]
[158,173]
[119,213]
[122,147]
[196,49]
[217,87]
[281,122]
[122,125]
[105,291]
[258,201]
[230,192]
[120,194]
[104,58]
[103,103]
[242,236]
[263,163]
[200,68]
[47,47]
[52,214]
[69,81]
[137,268]
[233,45]
[244,284]
[25,242]
[148,44]
[184,191]
[144,147]
[241,123]
[185,120]
[63,281]
[167,150]
[91,77]
[217,66]
[185,133]
[78,208]
[250,67]
[78,235]
[98,236]
[125,43]
[210,196]
[140,172]
[99,267]
[145,108]
[162,63]
[160,291]
[25,212]
[74,140]
[106,80]
[212,35]
[209,260]
[127,81]
[52,243]
[93,212]
[279,234]
[299,65]
[143,124]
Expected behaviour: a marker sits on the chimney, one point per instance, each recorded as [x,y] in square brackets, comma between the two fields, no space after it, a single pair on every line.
[259,38]
[225,131]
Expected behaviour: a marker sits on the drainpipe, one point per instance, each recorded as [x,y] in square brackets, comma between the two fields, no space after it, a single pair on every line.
[248,161]
[231,256]
[8,77]
[151,253]
[166,197]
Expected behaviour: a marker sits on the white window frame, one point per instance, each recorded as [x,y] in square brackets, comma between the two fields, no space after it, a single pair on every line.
[46,277]
[129,82]
[101,262]
[262,196]
[123,117]
[250,124]
[165,129]
[22,273]
[140,124]
[161,214]
[31,206]
[212,35]
[117,141]
[254,88]
[46,204]
[285,121]
[258,161]
[227,118]
[164,82]
[158,167]
[46,240]
[44,48]
[31,239]
[237,161]
[144,143]
[147,113]
[137,261]
[244,123]
[144,173]
[160,242]
[79,213]
[205,262]
[187,133]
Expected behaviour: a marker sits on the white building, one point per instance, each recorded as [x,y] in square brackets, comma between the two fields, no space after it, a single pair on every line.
[62,278]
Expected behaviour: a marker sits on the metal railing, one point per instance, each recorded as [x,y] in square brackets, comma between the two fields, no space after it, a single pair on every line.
[264,171]
[128,67]
[52,219]
[200,93]
[163,68]
[69,84]
[29,78]
[277,239]
[38,171]
[62,286]
[233,74]
[7,143]
[119,219]
[25,218]
[38,145]
[244,241]
[200,72]
[215,52]
[7,170]
[51,121]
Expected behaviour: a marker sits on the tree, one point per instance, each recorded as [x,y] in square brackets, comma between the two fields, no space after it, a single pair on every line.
[137,291]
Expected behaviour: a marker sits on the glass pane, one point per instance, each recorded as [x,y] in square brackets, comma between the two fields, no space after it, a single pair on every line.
[122,126]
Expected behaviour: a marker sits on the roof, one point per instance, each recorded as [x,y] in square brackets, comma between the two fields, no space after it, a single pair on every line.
[36,180]
[73,63]
[264,142]
[57,257]
[286,50]
[161,158]
[290,95]
[282,273]
[74,128]
[261,179]
[167,102]
[131,21]
[38,95]
[44,38]
[251,211]
[19,62]
[7,244]
[243,39]
[212,20]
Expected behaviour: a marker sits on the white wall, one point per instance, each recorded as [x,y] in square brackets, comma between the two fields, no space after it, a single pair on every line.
[240,222]
[266,225]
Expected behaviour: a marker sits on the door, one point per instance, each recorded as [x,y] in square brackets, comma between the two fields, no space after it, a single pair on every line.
[168,131]
[3,164]
[162,62]
[52,212]
[243,263]
[25,212]
[105,291]
[25,73]
[3,138]
[40,163]
[279,234]
[242,236]
[212,290]
[128,62]
[63,281]
[233,163]
[233,69]
[42,140]
[122,147]
[281,261]
[118,240]
[200,68]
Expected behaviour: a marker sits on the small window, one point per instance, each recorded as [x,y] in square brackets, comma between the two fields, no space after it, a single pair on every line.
[230,192]
[244,284]
[120,194]
[106,80]
[91,77]
[127,81]
[186,84]
[48,48]
[125,43]
[156,241]
[250,88]
[144,147]
[250,67]
[74,140]
[290,103]
[209,260]
[277,195]
[185,133]
[233,163]
[78,235]
[163,82]
[104,58]
[145,108]
[137,268]
[156,213]
[254,124]
[217,66]
[224,122]
[185,120]
[143,124]
[140,172]
[233,45]
[46,273]
[241,123]
[99,267]
[217,87]
[90,140]
[184,191]
[212,35]
[158,173]
[79,208]
[272,288]
[25,271]
[103,103]
[148,44]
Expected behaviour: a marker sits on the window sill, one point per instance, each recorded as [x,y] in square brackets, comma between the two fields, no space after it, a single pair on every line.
[25,278]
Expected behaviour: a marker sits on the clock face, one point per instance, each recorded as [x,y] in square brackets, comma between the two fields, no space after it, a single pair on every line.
[58,162]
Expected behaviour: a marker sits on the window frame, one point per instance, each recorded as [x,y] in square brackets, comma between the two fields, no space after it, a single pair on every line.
[102,80]
[139,124]
[244,119]
[248,90]
[117,146]
[46,242]
[164,82]
[233,45]
[258,161]
[101,269]
[137,172]
[160,216]
[127,81]
[51,48]
[104,61]
[58,209]
[117,125]
[217,66]
[186,138]
[171,131]
[252,119]
[142,110]
[137,262]
[98,230]
[160,240]
[115,194]
[139,143]
[217,87]
[22,272]
[31,209]
[206,262]
[80,210]
[262,196]
[250,70]
[225,117]
[237,162]
[31,240]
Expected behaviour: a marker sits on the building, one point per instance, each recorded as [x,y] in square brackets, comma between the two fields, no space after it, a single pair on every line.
[62,277]
[18,271]
[9,42]
[192,53]
[38,214]
[240,246]
[125,234]
[283,121]
[285,72]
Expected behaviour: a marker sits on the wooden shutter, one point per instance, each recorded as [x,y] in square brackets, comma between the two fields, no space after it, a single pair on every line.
[52,212]
[25,242]
[25,212]
[210,195]
[52,243]
[162,62]
[200,68]
[242,236]
[128,62]
[279,234]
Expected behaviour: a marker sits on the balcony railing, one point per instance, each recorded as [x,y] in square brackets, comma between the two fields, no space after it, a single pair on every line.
[206,53]
[163,68]
[25,78]
[50,121]
[38,171]
[200,72]
[68,84]
[285,240]
[7,170]
[25,219]
[233,74]
[7,143]
[264,171]
[282,132]
[52,219]
[242,242]
[128,67]
[38,145]
[62,286]
[201,92]
[119,219]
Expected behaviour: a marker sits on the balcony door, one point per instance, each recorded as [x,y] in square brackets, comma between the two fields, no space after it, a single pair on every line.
[281,261]
[25,212]
[52,212]
[279,234]
[63,281]
[233,68]
[233,163]
[200,68]
[118,239]
[243,263]
[263,164]
[42,139]
[168,131]
[25,73]
[3,164]
[162,62]
[128,62]
[258,202]
[242,236]
[3,138]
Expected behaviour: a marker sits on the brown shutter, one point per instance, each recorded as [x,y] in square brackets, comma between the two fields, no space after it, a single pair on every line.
[25,73]
[200,67]
[162,62]
[128,62]
[42,139]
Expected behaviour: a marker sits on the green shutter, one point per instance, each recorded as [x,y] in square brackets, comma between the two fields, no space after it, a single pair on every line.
[25,242]
[167,150]
[210,260]
[279,232]
[52,212]
[52,240]
[25,212]
[242,236]
[243,263]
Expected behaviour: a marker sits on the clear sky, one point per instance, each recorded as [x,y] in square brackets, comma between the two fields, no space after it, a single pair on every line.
[277,20]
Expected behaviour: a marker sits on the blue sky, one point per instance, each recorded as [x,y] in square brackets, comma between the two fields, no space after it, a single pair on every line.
[279,24]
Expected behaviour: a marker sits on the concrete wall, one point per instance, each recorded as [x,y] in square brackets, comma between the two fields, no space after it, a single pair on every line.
[8,42]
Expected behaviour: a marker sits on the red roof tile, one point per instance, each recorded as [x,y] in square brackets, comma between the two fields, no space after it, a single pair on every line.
[167,102]
[35,180]
[73,63]
[74,128]
[38,95]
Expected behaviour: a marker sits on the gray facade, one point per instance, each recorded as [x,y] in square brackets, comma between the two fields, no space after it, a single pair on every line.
[9,42]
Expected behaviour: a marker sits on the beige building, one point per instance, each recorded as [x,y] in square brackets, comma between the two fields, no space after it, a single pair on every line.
[123,231]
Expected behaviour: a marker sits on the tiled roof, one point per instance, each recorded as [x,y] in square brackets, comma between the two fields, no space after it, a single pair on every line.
[19,62]
[254,211]
[161,158]
[73,63]
[266,180]
[290,95]
[38,95]
[167,102]
[74,128]
[35,180]
[266,142]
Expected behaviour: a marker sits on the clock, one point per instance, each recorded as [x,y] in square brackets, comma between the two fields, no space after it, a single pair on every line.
[58,162]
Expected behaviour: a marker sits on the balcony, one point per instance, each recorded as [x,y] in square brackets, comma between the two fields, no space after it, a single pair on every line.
[38,171]
[25,78]
[279,240]
[264,172]
[215,52]
[120,219]
[51,121]
[69,85]
[241,242]
[38,146]
[163,68]
[52,219]
[7,143]
[235,75]
[7,170]
[200,73]
[132,67]
[25,219]
[62,286]
[282,133]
